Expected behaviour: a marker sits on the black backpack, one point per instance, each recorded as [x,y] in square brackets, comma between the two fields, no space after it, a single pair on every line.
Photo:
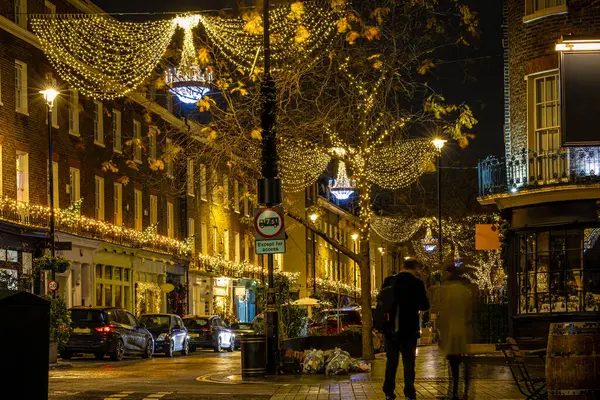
[384,316]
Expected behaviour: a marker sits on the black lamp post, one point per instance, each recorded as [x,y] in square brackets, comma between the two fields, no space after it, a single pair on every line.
[439,145]
[49,97]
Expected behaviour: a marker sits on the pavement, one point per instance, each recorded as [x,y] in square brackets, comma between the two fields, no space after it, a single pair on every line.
[207,375]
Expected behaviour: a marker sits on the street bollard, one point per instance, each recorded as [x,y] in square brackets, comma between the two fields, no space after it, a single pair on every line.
[254,356]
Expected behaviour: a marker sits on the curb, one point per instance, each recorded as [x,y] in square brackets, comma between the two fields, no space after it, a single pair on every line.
[61,365]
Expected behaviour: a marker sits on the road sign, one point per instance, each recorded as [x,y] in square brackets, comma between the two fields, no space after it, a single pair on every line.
[273,246]
[63,245]
[52,286]
[269,223]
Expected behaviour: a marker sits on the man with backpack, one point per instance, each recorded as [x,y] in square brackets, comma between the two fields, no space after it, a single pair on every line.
[397,317]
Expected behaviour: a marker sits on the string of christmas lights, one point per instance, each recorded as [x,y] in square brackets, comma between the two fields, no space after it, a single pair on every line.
[100,56]
[300,164]
[399,165]
[140,296]
[396,229]
[70,220]
[299,31]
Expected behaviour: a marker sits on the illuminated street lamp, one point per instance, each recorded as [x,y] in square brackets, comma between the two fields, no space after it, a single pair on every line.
[313,217]
[50,95]
[439,145]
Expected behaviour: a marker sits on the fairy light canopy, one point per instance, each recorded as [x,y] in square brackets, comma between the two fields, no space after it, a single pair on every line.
[105,58]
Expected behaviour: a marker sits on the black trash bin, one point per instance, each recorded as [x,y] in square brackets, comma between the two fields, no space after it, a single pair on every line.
[25,338]
[254,355]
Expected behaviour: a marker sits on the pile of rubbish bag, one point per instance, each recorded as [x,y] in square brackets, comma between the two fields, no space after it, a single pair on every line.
[332,362]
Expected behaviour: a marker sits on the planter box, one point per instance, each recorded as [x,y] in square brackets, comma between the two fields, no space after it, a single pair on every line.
[350,343]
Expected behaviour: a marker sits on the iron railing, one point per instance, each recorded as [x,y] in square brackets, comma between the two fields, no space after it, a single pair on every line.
[533,169]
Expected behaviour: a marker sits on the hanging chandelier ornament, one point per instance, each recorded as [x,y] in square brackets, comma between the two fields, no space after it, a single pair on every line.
[341,187]
[189,82]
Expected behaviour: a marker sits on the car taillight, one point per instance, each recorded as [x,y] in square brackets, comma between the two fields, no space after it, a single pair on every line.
[105,329]
[209,329]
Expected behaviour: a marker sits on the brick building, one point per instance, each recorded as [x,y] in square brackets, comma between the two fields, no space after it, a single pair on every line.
[546,192]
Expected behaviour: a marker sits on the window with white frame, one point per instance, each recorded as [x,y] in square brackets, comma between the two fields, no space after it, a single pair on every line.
[153,209]
[74,184]
[49,8]
[168,160]
[21,13]
[116,130]
[21,87]
[118,203]
[236,247]
[191,233]
[236,196]
[546,109]
[74,112]
[152,152]
[213,186]
[226,243]
[203,182]
[246,201]
[190,177]
[170,219]
[215,241]
[544,126]
[225,191]
[98,123]
[22,167]
[137,141]
[137,209]
[55,188]
[535,9]
[99,198]
[203,239]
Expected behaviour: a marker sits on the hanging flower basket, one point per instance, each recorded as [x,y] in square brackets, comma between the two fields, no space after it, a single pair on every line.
[49,263]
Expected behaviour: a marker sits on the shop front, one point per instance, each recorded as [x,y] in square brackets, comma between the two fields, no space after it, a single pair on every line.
[200,293]
[150,273]
[75,285]
[111,277]
[222,291]
[244,296]
[553,267]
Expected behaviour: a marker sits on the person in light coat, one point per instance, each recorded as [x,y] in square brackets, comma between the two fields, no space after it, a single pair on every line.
[455,326]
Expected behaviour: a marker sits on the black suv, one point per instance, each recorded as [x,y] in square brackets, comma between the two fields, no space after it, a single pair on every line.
[112,331]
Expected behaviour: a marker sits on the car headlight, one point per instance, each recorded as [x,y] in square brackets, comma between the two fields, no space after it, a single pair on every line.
[162,336]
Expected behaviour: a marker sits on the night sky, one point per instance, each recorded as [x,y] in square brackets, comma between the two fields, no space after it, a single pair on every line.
[472,75]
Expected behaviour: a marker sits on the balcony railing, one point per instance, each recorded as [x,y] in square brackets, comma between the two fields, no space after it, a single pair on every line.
[534,169]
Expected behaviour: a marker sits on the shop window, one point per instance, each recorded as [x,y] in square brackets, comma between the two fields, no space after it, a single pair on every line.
[535,9]
[558,271]
[112,286]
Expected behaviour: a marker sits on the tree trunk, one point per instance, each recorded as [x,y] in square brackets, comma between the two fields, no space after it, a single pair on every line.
[367,315]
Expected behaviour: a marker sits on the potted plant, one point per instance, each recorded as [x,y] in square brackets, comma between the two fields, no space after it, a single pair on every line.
[60,325]
[49,263]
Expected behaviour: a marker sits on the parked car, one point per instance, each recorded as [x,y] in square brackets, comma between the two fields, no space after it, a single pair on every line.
[169,333]
[334,322]
[107,330]
[209,331]
[240,329]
